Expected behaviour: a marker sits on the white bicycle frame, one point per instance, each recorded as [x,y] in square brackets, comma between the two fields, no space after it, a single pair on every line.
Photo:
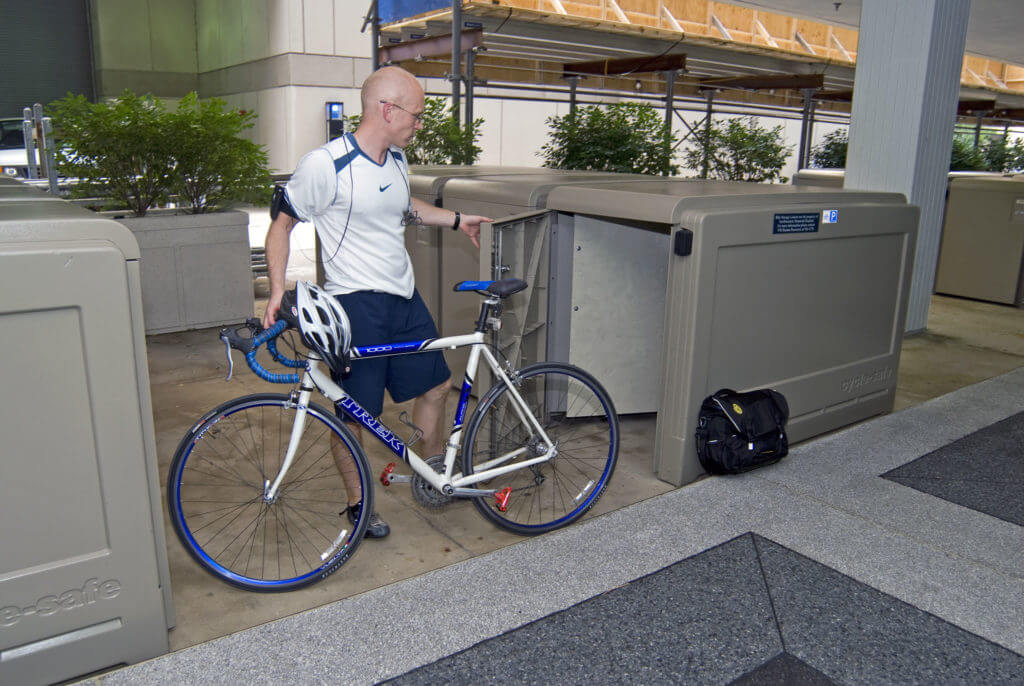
[446,482]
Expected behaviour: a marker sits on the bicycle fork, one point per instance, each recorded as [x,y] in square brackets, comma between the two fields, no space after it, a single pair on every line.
[301,401]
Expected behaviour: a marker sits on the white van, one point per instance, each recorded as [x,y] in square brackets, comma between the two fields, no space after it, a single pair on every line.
[13,160]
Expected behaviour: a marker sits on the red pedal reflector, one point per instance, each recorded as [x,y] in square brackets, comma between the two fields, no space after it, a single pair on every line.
[385,476]
[501,498]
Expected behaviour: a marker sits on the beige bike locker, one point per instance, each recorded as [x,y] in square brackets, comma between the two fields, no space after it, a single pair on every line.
[431,248]
[83,575]
[983,240]
[771,294]
[497,196]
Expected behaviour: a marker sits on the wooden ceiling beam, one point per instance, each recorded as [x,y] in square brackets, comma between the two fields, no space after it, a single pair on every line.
[834,96]
[625,65]
[1014,114]
[776,81]
[428,47]
[966,108]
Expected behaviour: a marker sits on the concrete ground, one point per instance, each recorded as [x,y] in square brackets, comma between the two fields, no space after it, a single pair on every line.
[826,568]
[966,342]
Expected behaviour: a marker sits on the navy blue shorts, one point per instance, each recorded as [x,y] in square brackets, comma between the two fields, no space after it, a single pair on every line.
[385,318]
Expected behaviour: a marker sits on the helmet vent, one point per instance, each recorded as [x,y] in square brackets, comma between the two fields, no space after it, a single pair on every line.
[323,323]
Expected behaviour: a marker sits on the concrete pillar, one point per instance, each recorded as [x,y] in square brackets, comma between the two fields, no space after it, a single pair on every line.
[905,95]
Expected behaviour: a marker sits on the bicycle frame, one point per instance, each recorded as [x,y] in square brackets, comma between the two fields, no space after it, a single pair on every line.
[447,482]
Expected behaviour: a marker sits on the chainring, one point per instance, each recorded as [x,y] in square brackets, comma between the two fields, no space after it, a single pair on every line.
[424,493]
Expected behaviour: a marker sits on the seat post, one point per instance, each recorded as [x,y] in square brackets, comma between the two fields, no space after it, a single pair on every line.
[485,313]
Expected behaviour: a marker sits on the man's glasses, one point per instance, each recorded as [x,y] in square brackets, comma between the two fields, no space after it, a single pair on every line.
[417,117]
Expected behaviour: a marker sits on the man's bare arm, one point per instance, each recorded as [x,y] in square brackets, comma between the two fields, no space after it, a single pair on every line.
[277,250]
[425,213]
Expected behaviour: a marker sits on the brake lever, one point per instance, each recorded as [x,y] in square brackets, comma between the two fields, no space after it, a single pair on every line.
[232,339]
[231,362]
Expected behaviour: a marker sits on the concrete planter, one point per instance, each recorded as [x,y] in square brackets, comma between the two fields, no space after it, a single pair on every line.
[196,269]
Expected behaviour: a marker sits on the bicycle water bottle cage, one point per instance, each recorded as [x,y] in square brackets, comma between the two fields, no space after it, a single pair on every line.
[503,288]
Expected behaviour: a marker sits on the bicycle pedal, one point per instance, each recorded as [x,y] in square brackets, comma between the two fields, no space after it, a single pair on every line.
[388,476]
[501,498]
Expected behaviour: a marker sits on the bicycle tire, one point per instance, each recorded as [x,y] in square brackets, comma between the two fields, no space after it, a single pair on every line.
[572,405]
[215,495]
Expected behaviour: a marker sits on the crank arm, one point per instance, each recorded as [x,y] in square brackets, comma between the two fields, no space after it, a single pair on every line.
[389,477]
[473,492]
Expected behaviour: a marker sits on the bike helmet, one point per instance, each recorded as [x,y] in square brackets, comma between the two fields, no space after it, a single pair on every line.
[323,324]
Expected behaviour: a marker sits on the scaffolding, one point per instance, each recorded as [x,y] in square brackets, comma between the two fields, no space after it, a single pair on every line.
[730,60]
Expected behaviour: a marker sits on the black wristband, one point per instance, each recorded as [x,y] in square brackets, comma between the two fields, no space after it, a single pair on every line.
[458,220]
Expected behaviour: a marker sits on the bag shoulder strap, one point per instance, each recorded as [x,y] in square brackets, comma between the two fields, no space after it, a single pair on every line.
[728,408]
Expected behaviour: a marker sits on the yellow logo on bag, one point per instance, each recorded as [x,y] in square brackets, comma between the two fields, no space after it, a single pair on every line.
[737,409]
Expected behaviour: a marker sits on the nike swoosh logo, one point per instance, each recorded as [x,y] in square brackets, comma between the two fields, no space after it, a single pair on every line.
[384,188]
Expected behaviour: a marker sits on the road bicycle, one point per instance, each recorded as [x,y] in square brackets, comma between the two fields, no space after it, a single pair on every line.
[259,500]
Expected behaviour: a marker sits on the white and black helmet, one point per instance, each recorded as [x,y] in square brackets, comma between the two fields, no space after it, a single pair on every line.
[323,323]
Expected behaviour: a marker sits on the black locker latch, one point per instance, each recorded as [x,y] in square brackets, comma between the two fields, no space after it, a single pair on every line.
[682,245]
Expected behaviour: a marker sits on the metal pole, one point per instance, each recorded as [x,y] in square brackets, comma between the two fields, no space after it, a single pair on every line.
[47,153]
[810,130]
[573,82]
[375,36]
[670,86]
[710,95]
[37,120]
[456,75]
[805,121]
[470,64]
[28,133]
[977,130]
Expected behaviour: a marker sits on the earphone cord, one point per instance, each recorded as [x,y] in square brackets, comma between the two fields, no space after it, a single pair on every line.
[351,201]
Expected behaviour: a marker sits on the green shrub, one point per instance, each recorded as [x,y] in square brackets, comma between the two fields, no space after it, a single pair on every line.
[739,150]
[996,153]
[966,157]
[134,152]
[116,149]
[214,165]
[624,137]
[442,140]
[1001,155]
[831,152]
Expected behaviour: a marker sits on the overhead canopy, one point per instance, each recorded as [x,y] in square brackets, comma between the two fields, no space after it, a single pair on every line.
[527,46]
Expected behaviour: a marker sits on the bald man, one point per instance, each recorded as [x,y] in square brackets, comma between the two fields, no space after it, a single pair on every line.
[355,191]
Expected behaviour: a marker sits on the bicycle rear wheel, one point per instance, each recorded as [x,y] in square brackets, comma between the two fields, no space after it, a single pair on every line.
[216,484]
[577,415]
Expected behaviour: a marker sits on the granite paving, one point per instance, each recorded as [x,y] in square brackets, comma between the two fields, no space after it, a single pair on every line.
[983,471]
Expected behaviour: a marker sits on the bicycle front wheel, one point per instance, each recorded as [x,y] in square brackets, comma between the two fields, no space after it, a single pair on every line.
[577,415]
[216,485]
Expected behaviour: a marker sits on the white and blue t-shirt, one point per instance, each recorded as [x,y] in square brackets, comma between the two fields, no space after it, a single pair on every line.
[358,208]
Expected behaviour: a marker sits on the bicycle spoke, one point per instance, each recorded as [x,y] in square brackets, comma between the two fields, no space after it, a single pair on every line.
[216,490]
[575,418]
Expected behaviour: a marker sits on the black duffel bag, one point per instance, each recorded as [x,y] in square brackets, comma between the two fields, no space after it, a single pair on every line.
[737,432]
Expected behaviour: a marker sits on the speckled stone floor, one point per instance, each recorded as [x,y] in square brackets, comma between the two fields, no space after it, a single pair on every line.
[819,569]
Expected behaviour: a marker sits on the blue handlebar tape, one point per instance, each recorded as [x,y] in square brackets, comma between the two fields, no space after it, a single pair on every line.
[282,358]
[257,368]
